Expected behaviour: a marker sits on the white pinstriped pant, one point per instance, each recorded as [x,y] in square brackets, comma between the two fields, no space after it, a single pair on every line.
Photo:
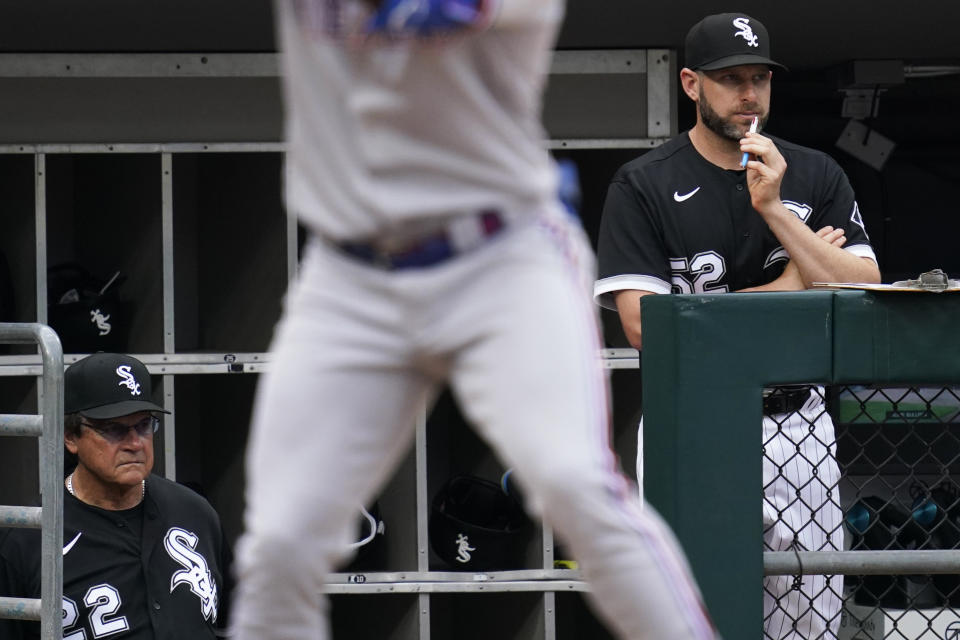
[801,497]
[811,514]
[512,327]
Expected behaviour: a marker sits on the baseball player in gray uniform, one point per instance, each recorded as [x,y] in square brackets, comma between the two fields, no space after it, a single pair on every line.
[438,254]
[724,208]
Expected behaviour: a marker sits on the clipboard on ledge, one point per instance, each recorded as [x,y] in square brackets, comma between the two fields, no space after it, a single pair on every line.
[935,281]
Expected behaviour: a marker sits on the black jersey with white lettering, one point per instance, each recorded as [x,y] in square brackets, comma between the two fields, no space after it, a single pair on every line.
[673,222]
[154,572]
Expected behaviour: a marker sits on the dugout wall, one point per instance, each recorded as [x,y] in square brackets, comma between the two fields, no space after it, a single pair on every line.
[706,361]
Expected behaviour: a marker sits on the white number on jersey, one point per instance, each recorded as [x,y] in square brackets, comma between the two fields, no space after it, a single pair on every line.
[70,616]
[698,275]
[103,601]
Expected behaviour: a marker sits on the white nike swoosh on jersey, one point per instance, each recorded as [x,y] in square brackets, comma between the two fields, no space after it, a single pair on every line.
[70,544]
[681,198]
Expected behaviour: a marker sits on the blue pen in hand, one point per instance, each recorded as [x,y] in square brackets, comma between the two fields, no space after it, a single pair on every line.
[753,129]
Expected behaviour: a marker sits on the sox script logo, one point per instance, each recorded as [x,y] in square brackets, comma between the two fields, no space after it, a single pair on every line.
[802,211]
[745,31]
[181,546]
[127,380]
[101,321]
[463,548]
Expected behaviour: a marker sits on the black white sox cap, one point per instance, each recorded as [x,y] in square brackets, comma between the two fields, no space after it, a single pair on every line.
[107,385]
[475,526]
[727,40]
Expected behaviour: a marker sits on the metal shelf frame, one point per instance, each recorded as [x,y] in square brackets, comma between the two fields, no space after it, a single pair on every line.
[659,109]
[657,65]
[48,427]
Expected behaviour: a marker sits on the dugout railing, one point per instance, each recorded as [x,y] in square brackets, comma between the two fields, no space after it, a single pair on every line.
[706,361]
[48,517]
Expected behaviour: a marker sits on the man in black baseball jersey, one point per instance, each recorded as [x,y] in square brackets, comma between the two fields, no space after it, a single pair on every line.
[143,557]
[724,208]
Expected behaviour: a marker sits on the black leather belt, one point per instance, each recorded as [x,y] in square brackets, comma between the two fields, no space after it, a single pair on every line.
[428,250]
[785,400]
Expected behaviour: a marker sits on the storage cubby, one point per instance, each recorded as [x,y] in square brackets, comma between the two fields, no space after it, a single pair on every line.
[103,214]
[18,244]
[480,616]
[212,417]
[230,250]
[396,552]
[596,168]
[19,460]
[627,399]
[575,619]
[381,616]
[398,508]
[455,449]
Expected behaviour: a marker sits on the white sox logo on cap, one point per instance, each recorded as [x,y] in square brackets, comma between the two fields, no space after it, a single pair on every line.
[127,380]
[728,40]
[745,32]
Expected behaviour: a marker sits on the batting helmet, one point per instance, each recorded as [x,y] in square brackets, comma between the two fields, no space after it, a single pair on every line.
[86,311]
[475,526]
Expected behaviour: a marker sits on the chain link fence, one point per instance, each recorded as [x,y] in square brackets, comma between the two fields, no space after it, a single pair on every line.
[879,478]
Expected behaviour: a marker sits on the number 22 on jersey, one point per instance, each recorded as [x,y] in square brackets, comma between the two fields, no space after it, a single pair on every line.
[103,601]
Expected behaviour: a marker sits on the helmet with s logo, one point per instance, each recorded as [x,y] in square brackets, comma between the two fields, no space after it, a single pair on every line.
[475,526]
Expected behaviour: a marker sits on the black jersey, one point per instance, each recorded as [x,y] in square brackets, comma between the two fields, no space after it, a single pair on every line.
[154,572]
[673,222]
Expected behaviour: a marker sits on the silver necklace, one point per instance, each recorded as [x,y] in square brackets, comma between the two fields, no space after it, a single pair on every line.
[143,487]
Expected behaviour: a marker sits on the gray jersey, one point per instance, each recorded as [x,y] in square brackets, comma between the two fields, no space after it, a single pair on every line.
[381,132]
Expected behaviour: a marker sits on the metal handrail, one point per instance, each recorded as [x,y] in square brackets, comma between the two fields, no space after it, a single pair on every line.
[48,608]
[888,562]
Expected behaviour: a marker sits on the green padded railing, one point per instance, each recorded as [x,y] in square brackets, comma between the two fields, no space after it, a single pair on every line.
[706,359]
